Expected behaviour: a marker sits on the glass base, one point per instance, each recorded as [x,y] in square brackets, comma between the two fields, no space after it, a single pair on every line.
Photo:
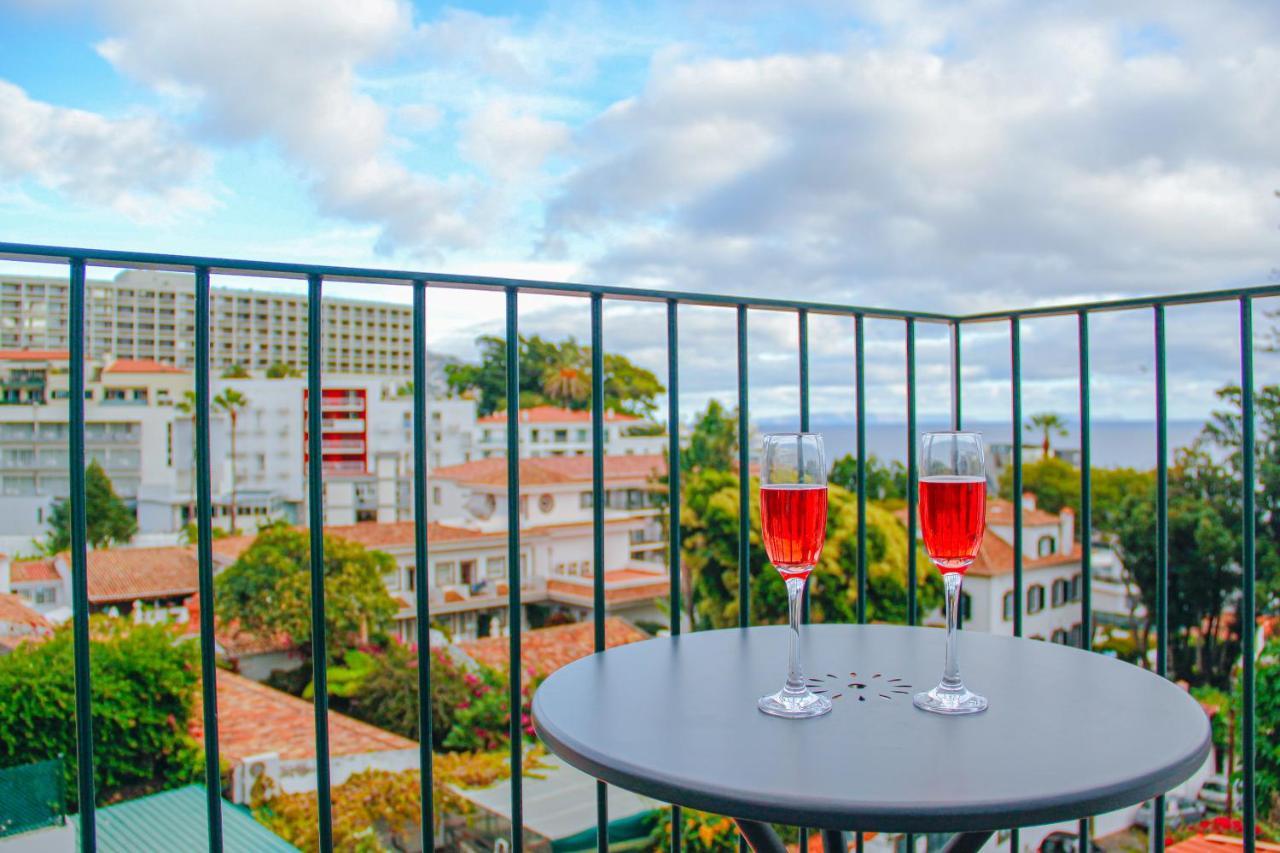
[794,706]
[940,700]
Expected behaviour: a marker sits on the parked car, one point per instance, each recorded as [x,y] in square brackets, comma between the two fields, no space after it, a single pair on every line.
[1214,793]
[1176,813]
[1065,842]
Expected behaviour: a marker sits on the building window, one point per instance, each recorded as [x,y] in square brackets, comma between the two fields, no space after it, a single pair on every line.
[495,567]
[585,500]
[1059,636]
[1061,591]
[1046,546]
[436,496]
[1035,599]
[46,595]
[966,606]
[446,573]
[546,503]
[561,436]
[1008,606]
[1075,587]
[467,573]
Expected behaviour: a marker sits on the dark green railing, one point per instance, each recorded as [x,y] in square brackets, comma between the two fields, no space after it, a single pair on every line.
[77,259]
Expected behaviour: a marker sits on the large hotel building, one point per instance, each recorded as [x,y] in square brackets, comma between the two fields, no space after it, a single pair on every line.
[144,314]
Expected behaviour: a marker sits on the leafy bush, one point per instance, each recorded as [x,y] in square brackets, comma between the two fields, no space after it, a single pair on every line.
[388,694]
[702,832]
[482,720]
[143,690]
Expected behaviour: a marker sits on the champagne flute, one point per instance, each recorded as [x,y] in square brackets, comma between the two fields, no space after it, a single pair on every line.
[953,519]
[793,523]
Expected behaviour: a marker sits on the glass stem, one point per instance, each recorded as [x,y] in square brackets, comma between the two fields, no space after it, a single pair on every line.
[951,670]
[795,597]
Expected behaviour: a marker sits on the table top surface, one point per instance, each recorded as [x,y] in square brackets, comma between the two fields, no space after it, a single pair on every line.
[1068,733]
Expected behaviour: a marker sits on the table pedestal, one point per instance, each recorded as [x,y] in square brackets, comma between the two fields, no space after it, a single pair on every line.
[762,839]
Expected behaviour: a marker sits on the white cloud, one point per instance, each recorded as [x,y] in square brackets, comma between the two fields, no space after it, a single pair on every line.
[137,166]
[507,144]
[286,72]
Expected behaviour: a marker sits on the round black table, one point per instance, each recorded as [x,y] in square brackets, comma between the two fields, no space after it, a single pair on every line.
[1068,733]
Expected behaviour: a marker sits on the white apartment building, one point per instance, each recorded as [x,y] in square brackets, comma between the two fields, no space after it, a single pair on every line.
[552,431]
[149,314]
[129,409]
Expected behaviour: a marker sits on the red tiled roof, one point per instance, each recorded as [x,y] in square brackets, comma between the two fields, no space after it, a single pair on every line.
[30,571]
[235,641]
[995,555]
[618,575]
[141,365]
[548,470]
[14,610]
[370,534]
[1000,511]
[553,415]
[254,718]
[125,574]
[1217,844]
[544,650]
[35,355]
[577,593]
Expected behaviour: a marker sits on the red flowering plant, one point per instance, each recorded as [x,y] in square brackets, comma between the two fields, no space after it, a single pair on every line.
[482,719]
[1218,825]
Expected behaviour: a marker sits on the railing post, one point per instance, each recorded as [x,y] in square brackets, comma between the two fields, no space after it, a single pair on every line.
[860,377]
[514,616]
[744,479]
[1162,539]
[1015,347]
[422,623]
[673,497]
[1086,518]
[85,788]
[204,556]
[1248,574]
[597,525]
[315,518]
[913,476]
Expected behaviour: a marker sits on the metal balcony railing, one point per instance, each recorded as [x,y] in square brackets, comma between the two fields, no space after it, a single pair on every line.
[76,260]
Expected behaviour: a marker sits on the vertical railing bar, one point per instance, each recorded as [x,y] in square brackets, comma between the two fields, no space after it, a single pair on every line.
[1248,568]
[744,494]
[861,439]
[802,320]
[913,475]
[956,419]
[673,497]
[1086,518]
[1162,537]
[1015,352]
[79,566]
[597,524]
[204,557]
[421,590]
[744,479]
[516,667]
[315,487]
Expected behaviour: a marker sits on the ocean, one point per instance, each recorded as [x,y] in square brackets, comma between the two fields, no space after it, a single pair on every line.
[1115,444]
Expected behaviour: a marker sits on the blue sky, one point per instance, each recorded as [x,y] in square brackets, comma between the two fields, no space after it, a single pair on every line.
[957,156]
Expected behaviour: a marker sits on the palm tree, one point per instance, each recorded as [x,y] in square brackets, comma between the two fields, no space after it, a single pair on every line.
[1048,424]
[564,380]
[232,402]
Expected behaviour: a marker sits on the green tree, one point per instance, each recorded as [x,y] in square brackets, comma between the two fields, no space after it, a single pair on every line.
[107,520]
[1056,485]
[552,373]
[1267,710]
[885,481]
[281,370]
[388,695]
[713,445]
[235,371]
[268,589]
[709,525]
[231,402]
[143,682]
[1047,424]
[1203,573]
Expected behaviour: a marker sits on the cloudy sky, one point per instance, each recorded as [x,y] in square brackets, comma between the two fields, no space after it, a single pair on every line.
[948,156]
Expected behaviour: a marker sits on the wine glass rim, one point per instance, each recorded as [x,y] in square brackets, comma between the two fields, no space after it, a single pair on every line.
[789,434]
[951,432]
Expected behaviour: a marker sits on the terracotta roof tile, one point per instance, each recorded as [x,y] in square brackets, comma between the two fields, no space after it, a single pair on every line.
[125,574]
[549,470]
[30,571]
[14,610]
[370,534]
[254,718]
[995,555]
[1000,511]
[544,650]
[35,355]
[553,414]
[141,365]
